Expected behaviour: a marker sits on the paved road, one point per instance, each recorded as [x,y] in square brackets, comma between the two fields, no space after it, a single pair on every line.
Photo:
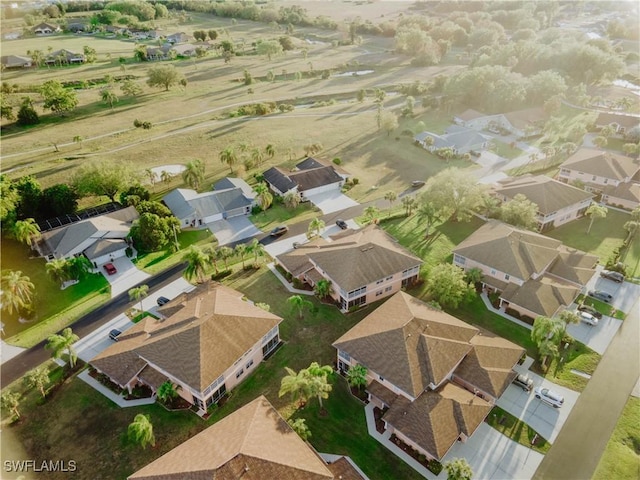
[579,446]
[31,358]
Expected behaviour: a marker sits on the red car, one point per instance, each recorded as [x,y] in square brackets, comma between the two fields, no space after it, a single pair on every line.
[110,268]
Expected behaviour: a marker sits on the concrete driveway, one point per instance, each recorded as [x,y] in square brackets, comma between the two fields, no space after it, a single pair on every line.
[596,337]
[286,244]
[233,229]
[543,418]
[330,202]
[127,276]
[624,294]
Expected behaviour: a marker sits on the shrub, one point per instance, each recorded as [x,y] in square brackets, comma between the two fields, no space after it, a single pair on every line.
[355,181]
[337,161]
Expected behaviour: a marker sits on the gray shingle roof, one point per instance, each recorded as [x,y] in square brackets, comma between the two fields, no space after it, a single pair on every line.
[602,164]
[184,202]
[279,179]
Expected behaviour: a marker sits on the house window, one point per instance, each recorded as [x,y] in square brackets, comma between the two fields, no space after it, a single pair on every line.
[239,373]
[388,289]
[380,378]
[273,343]
[493,272]
[411,271]
[459,259]
[379,282]
[248,366]
[564,171]
[378,293]
[388,278]
[357,292]
[506,276]
[344,355]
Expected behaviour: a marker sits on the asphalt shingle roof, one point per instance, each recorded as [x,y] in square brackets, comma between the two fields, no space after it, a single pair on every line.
[602,164]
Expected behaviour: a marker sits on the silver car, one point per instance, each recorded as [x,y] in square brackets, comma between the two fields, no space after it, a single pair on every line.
[549,397]
[587,318]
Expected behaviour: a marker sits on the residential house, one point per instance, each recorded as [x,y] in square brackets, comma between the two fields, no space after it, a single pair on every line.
[231,197]
[459,139]
[535,275]
[16,61]
[310,177]
[64,56]
[12,35]
[362,266]
[185,50]
[100,238]
[521,123]
[45,29]
[159,53]
[254,442]
[614,176]
[206,342]
[77,27]
[179,37]
[557,202]
[620,122]
[435,377]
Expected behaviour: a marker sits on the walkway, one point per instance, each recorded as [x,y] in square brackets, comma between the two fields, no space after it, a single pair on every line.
[286,284]
[597,410]
[117,399]
[491,308]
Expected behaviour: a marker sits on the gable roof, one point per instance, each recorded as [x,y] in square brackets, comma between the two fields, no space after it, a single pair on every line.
[519,253]
[627,121]
[304,179]
[522,118]
[12,61]
[104,247]
[208,329]
[184,202]
[231,182]
[602,164]
[409,343]
[252,443]
[310,163]
[543,296]
[457,137]
[44,26]
[279,179]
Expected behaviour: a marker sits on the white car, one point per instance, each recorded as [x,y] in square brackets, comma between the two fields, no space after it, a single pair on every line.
[549,396]
[587,318]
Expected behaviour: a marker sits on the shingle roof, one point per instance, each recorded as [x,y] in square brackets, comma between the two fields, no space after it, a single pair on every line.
[522,118]
[629,191]
[548,194]
[253,443]
[627,121]
[602,164]
[456,137]
[342,469]
[544,296]
[310,162]
[232,182]
[104,247]
[408,342]
[184,202]
[573,265]
[199,341]
[436,419]
[316,177]
[279,179]
[470,114]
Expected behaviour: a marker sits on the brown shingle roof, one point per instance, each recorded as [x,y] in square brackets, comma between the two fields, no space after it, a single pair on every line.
[574,265]
[543,296]
[409,343]
[253,443]
[378,390]
[522,118]
[343,470]
[196,344]
[602,164]
[629,191]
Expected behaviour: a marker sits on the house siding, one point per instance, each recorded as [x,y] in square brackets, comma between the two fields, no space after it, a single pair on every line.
[569,175]
[487,271]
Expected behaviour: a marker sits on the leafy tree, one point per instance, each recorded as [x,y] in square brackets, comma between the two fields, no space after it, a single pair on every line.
[458,469]
[131,88]
[357,376]
[454,193]
[37,378]
[26,231]
[167,392]
[16,291]
[600,141]
[428,214]
[568,317]
[323,288]
[141,431]
[256,249]
[78,267]
[57,98]
[474,276]
[520,212]
[196,263]
[296,384]
[229,156]
[152,232]
[546,333]
[315,227]
[447,285]
[264,197]
[29,197]
[6,109]
[270,48]
[291,199]
[388,122]
[595,211]
[299,426]
[138,293]
[58,200]
[193,174]
[213,34]
[11,401]
[90,54]
[299,303]
[109,97]
[631,227]
[26,113]
[61,343]
[319,385]
[225,253]
[9,197]
[164,76]
[102,178]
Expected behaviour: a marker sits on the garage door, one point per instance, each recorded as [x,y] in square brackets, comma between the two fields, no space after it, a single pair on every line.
[330,202]
[212,218]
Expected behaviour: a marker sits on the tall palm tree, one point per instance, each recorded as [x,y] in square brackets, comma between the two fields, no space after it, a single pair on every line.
[270,150]
[371,212]
[141,431]
[319,385]
[225,254]
[315,227]
[296,384]
[595,211]
[109,97]
[25,231]
[263,196]
[193,175]
[151,175]
[391,197]
[241,250]
[58,270]
[257,156]
[213,256]
[291,199]
[547,333]
[408,203]
[228,156]
[165,176]
[17,290]
[37,378]
[299,303]
[257,249]
[60,343]
[428,214]
[197,262]
[138,293]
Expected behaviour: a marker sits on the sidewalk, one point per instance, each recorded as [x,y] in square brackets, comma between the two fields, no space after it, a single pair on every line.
[287,285]
[490,307]
[117,399]
[7,352]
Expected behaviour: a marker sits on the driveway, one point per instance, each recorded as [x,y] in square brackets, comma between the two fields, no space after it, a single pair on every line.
[286,244]
[494,456]
[233,229]
[330,202]
[624,294]
[597,338]
[127,276]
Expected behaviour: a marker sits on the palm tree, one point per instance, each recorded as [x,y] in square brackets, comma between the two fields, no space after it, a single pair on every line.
[109,97]
[151,175]
[37,378]
[547,349]
[357,376]
[193,175]
[546,333]
[315,227]
[17,291]
[458,469]
[408,203]
[213,256]
[595,211]
[371,213]
[323,288]
[299,303]
[319,385]
[25,231]
[291,199]
[391,196]
[241,251]
[299,425]
[10,401]
[257,156]
[197,262]
[58,270]
[165,176]
[270,150]
[428,214]
[297,384]
[263,196]
[63,342]
[474,276]
[225,254]
[138,293]
[166,392]
[78,267]
[257,249]
[228,156]
[141,431]
[600,141]
[567,316]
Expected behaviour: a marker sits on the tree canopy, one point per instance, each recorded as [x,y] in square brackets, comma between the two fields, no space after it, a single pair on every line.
[58,98]
[454,193]
[448,285]
[520,212]
[102,178]
[164,76]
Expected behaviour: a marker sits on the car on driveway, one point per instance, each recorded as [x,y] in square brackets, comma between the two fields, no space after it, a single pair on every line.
[162,301]
[600,295]
[549,397]
[591,310]
[523,382]
[588,318]
[110,268]
[279,230]
[611,275]
[342,224]
[417,183]
[114,334]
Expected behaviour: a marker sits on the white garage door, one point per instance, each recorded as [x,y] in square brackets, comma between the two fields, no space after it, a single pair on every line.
[333,201]
[212,218]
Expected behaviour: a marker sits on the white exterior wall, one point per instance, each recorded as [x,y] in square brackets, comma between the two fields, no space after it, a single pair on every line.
[324,188]
[564,215]
[487,271]
[108,257]
[611,200]
[569,175]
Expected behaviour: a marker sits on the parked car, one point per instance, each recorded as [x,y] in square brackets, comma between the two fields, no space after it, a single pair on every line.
[591,310]
[600,295]
[342,224]
[523,382]
[417,183]
[114,334]
[588,318]
[162,301]
[611,275]
[549,396]
[110,268]
[279,230]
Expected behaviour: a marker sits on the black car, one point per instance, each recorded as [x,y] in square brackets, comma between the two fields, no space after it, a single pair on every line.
[113,334]
[611,275]
[590,309]
[523,382]
[342,224]
[279,230]
[162,301]
[600,295]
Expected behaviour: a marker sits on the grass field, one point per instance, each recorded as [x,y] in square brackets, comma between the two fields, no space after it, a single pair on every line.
[516,430]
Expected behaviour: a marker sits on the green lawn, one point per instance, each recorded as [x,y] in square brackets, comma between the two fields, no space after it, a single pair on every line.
[621,458]
[576,357]
[602,307]
[156,262]
[505,150]
[278,214]
[516,430]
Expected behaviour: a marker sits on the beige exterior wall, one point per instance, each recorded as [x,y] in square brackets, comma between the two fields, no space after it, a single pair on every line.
[245,364]
[519,309]
[568,175]
[410,442]
[486,271]
[629,204]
